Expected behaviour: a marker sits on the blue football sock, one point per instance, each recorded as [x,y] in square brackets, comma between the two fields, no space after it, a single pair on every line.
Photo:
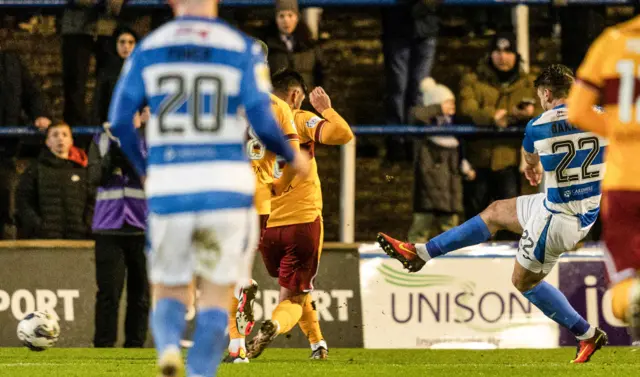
[555,305]
[168,323]
[209,342]
[472,232]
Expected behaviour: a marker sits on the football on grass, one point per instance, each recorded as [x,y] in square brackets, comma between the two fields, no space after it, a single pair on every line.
[38,331]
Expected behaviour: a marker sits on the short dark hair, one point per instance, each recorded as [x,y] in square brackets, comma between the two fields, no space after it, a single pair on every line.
[57,125]
[286,78]
[557,78]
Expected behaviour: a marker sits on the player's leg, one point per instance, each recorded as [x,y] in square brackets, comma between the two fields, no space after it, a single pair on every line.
[298,267]
[310,327]
[241,316]
[171,271]
[621,215]
[544,238]
[224,245]
[498,215]
[309,323]
[241,320]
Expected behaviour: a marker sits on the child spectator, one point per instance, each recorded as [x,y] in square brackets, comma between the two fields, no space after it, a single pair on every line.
[54,199]
[438,166]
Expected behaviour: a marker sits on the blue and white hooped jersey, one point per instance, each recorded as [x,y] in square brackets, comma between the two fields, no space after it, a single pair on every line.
[197,75]
[573,162]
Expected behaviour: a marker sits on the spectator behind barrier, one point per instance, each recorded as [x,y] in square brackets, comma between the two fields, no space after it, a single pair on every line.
[291,45]
[18,93]
[123,43]
[53,199]
[499,93]
[409,36]
[87,27]
[119,224]
[438,166]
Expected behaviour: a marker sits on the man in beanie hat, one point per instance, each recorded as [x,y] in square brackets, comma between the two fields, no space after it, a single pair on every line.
[291,45]
[498,94]
[437,189]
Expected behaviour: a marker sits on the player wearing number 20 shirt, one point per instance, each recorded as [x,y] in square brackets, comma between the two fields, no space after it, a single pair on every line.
[200,77]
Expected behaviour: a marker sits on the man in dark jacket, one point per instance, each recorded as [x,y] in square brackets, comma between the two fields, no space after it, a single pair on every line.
[497,94]
[18,93]
[53,199]
[291,45]
[119,224]
[409,32]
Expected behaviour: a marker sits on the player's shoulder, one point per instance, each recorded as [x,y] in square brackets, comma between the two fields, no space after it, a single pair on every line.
[617,34]
[306,120]
[629,28]
[305,116]
[204,32]
[549,116]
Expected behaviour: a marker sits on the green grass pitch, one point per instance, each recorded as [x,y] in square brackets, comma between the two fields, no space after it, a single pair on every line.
[610,362]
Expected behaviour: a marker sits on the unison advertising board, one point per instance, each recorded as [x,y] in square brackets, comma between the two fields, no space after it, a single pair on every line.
[467,301]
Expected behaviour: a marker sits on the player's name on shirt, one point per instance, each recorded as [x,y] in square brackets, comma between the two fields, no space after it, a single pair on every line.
[561,127]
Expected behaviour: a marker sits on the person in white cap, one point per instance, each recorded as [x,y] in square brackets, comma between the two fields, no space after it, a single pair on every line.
[438,166]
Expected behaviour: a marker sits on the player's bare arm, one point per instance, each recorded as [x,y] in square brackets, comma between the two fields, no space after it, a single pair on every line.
[533,168]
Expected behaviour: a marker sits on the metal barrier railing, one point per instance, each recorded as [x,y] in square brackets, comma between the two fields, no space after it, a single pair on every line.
[458,129]
[347,156]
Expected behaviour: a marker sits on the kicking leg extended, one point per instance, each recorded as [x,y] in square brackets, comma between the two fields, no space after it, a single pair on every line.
[500,215]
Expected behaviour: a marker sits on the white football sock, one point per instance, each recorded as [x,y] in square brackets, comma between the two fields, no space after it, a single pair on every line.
[421,248]
[588,335]
[321,343]
[236,344]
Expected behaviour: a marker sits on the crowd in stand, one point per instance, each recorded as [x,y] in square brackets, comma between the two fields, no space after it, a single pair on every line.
[497,93]
[66,193]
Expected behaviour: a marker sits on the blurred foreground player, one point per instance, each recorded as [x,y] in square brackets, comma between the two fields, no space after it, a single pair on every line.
[609,75]
[196,73]
[292,243]
[551,223]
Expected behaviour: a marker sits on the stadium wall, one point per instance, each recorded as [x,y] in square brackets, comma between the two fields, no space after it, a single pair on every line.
[363,298]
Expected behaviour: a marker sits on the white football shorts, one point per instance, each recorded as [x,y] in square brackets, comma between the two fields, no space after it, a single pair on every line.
[218,246]
[546,235]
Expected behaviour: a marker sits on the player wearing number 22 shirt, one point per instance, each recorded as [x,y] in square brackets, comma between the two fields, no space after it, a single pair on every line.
[572,164]
[197,74]
[610,75]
